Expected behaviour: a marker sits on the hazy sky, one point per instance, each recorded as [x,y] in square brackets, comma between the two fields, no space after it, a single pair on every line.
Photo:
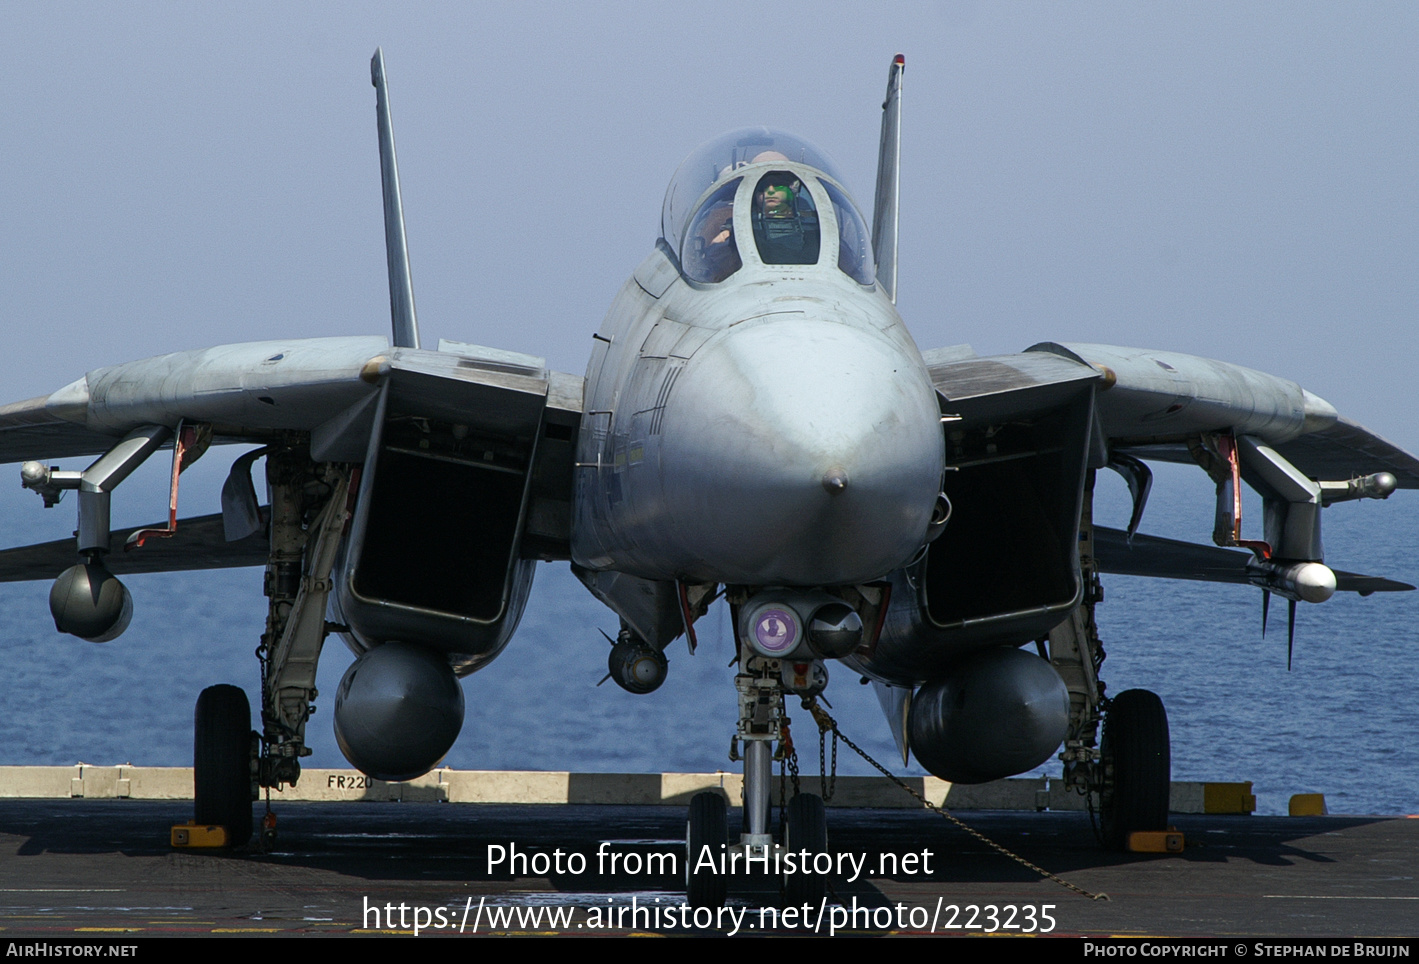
[1234,180]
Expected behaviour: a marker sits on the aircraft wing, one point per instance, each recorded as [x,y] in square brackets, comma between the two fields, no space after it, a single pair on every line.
[979,390]
[328,388]
[197,544]
[1345,450]
[252,392]
[28,428]
[1161,558]
[1150,404]
[1151,400]
[1238,424]
[248,392]
[1348,449]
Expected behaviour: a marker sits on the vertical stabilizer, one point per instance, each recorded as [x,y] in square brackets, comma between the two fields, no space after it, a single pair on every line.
[401,285]
[884,212]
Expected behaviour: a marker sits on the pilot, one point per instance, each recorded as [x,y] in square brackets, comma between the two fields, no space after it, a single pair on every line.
[717,226]
[785,224]
[715,232]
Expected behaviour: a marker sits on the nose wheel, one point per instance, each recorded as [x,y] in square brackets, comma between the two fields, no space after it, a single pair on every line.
[805,836]
[706,833]
[710,860]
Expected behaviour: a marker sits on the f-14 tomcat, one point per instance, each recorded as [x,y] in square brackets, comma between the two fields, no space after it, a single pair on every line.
[755,422]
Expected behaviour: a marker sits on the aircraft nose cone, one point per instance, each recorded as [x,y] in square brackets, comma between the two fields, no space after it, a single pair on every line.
[801,452]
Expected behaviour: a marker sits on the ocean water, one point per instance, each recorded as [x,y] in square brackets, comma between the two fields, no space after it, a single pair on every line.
[1340,722]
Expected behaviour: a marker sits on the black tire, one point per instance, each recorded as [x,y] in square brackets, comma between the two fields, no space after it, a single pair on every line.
[221,756]
[806,829]
[1135,749]
[706,826]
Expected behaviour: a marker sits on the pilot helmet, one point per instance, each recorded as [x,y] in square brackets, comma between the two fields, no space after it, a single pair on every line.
[782,187]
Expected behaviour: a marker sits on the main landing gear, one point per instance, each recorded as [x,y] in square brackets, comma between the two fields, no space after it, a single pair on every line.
[223,756]
[1137,767]
[305,520]
[1129,772]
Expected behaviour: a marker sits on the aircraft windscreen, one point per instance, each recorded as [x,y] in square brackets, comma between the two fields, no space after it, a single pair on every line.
[854,246]
[710,255]
[713,159]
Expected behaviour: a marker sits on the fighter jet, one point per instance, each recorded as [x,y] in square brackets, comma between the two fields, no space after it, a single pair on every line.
[755,423]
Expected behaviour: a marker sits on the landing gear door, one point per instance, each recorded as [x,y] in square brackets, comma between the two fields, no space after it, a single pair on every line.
[446,491]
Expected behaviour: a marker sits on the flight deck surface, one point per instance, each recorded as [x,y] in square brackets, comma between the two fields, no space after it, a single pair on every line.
[104,868]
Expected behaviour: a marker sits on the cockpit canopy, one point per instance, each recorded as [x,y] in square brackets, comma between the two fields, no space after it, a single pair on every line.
[786,207]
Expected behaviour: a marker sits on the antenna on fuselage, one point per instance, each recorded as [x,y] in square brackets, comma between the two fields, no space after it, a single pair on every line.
[396,246]
[889,163]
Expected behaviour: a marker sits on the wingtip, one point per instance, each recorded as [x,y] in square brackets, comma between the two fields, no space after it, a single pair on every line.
[900,60]
[377,66]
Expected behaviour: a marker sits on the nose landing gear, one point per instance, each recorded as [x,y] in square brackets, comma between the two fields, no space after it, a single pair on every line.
[805,835]
[705,839]
[762,683]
